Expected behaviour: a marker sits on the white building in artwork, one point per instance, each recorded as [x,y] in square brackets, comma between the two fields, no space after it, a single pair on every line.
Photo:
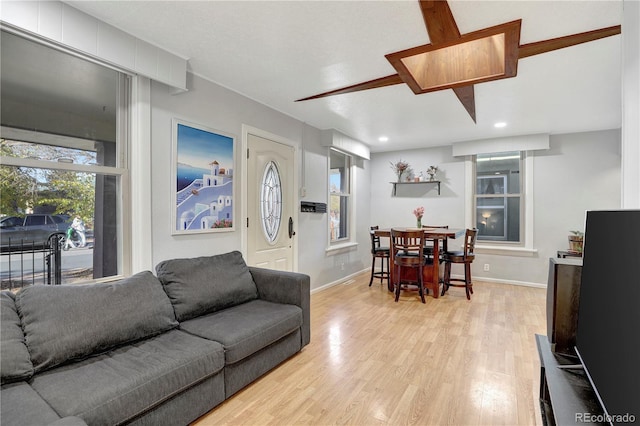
[207,202]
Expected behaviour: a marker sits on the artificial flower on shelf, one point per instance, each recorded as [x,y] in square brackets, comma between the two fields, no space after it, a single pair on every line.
[418,212]
[432,170]
[400,167]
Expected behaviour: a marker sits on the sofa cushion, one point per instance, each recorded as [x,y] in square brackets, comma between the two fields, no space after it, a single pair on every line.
[201,285]
[247,328]
[73,321]
[123,383]
[20,405]
[15,363]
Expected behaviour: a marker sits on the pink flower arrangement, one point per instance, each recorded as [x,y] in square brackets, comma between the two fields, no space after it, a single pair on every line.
[419,212]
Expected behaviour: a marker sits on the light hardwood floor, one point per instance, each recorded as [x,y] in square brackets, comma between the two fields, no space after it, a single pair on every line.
[373,361]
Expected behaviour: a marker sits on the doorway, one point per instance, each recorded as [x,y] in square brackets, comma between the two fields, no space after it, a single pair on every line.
[271,220]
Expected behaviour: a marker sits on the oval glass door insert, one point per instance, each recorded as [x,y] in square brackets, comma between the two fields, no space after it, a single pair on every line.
[271,202]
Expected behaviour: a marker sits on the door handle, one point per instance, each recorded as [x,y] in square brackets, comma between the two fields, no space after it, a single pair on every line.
[291,231]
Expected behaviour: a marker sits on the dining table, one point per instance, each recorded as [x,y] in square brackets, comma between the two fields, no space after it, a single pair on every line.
[431,272]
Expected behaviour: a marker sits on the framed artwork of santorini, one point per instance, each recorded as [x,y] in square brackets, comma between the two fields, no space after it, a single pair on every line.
[202,179]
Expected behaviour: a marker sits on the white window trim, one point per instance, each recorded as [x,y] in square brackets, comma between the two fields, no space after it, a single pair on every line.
[525,248]
[349,242]
[140,257]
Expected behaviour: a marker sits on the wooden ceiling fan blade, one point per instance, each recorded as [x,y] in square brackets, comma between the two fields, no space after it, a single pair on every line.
[545,46]
[466,95]
[441,26]
[389,80]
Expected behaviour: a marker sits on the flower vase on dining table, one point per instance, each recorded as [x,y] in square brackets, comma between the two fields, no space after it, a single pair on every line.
[418,213]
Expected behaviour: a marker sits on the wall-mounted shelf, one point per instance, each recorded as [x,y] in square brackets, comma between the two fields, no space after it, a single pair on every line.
[433,182]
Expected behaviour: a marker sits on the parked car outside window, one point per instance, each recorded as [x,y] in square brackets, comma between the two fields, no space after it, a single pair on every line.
[31,231]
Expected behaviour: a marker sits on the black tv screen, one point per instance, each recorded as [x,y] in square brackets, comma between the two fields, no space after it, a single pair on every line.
[608,335]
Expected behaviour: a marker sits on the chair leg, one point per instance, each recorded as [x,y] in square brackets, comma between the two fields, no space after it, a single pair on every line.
[397,282]
[467,279]
[421,285]
[447,278]
[382,269]
[373,265]
[388,271]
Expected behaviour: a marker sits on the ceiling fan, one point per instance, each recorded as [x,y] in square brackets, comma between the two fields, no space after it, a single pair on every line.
[458,61]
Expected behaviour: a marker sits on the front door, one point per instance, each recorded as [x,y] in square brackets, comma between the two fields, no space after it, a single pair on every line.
[270,209]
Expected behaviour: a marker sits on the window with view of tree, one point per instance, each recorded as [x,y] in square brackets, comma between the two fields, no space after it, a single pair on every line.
[339,195]
[62,153]
[499,196]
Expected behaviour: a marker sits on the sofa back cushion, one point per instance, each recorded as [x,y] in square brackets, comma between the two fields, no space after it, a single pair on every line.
[202,285]
[15,363]
[73,321]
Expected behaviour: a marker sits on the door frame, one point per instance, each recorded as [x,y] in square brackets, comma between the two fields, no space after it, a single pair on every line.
[244,235]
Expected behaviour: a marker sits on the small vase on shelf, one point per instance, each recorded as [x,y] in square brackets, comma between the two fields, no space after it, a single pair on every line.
[419,223]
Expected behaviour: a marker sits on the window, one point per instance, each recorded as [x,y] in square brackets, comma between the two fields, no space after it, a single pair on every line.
[63,152]
[499,196]
[339,196]
[271,202]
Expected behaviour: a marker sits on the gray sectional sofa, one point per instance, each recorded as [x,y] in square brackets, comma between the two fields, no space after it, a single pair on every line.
[150,349]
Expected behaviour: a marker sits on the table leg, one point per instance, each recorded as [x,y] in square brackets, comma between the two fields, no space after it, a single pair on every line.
[435,277]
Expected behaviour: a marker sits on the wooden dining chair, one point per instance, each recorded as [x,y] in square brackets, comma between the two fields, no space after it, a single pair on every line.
[407,252]
[465,257]
[428,247]
[378,252]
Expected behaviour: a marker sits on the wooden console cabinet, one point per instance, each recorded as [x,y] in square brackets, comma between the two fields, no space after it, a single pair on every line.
[563,295]
[566,395]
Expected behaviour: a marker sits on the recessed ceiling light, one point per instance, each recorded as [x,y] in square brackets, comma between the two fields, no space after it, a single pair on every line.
[500,124]
[383,139]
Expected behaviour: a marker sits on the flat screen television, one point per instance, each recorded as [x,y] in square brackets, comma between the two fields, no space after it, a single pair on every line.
[608,334]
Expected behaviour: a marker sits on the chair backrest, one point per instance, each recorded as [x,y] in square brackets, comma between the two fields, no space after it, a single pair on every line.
[408,244]
[470,241]
[445,245]
[375,240]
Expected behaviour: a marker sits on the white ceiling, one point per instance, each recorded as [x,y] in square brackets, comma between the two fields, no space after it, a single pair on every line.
[278,51]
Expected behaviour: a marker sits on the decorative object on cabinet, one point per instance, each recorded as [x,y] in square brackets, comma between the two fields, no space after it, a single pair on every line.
[436,182]
[576,240]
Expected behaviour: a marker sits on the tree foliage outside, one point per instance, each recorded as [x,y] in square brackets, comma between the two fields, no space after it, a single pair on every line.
[26,189]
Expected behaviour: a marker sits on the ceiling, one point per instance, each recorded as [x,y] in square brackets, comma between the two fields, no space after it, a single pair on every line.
[278,51]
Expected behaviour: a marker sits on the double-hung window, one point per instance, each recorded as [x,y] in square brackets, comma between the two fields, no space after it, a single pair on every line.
[499,196]
[64,153]
[340,198]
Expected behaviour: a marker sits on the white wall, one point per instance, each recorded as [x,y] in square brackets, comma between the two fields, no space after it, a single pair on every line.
[218,108]
[444,209]
[213,106]
[579,172]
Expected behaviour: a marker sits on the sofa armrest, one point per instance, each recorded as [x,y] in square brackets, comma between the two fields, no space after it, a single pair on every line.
[292,288]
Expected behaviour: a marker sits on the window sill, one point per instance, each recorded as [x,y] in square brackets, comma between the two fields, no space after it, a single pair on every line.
[340,248]
[506,251]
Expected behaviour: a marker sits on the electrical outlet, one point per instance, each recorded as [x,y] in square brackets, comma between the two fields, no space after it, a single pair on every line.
[486,266]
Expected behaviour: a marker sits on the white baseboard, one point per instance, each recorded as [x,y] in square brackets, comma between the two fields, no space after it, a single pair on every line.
[501,281]
[343,280]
